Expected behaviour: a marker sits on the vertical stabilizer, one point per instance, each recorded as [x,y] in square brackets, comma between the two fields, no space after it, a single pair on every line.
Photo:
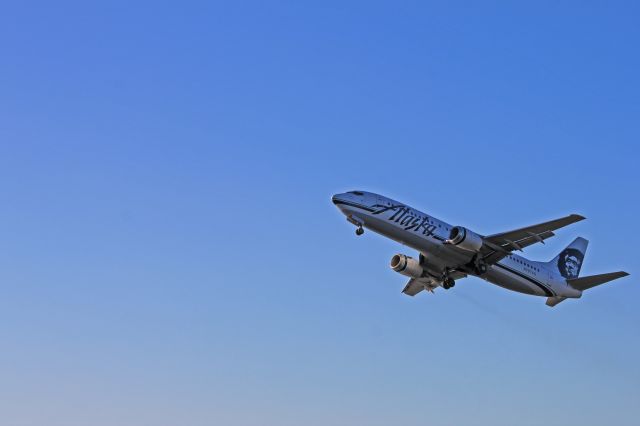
[569,262]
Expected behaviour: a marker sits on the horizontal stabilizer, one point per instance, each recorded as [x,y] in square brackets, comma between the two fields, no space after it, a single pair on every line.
[553,301]
[586,283]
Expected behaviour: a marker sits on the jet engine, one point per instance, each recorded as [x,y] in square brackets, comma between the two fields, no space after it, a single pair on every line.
[464,239]
[408,266]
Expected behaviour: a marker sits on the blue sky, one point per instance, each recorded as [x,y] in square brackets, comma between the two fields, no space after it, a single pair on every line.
[170,254]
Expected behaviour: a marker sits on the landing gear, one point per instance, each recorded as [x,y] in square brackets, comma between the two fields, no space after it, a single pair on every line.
[357,222]
[448,283]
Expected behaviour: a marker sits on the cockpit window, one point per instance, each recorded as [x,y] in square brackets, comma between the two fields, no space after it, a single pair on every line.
[356,193]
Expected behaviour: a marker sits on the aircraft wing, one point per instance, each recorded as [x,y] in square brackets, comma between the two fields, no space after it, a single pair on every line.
[498,246]
[414,287]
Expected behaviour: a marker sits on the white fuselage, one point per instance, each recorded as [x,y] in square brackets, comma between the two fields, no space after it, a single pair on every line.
[427,234]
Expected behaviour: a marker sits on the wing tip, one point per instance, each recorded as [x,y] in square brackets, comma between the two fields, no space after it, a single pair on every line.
[577,217]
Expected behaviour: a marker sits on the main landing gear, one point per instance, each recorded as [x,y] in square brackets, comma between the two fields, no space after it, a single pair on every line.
[448,283]
[359,231]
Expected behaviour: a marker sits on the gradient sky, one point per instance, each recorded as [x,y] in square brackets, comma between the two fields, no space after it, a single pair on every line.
[170,256]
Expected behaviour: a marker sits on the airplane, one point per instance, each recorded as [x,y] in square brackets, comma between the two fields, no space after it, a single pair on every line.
[447,253]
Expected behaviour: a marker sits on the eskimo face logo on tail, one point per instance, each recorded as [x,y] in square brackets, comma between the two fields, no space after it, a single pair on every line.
[569,263]
[404,216]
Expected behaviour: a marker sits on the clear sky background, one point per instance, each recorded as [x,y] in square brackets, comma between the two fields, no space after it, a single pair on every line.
[169,254]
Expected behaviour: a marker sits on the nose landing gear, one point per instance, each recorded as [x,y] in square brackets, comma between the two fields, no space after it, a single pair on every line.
[357,222]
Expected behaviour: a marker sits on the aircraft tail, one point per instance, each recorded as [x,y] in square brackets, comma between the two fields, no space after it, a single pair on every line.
[569,261]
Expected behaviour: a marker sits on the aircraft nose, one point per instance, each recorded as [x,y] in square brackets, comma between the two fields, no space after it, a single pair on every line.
[339,198]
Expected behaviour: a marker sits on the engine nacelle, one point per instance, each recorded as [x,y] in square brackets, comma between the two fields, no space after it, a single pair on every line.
[464,239]
[408,266]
